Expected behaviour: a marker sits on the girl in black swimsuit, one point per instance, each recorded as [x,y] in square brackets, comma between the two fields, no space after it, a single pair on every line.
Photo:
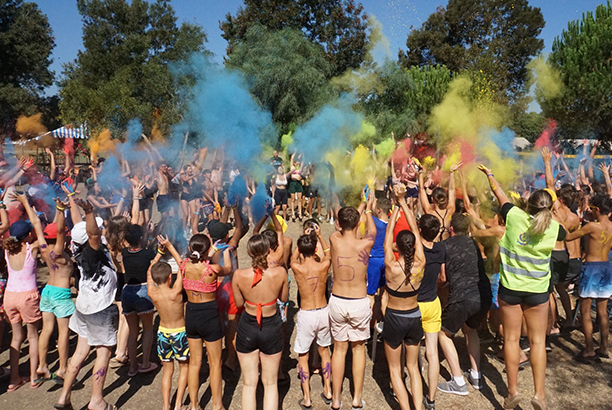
[402,315]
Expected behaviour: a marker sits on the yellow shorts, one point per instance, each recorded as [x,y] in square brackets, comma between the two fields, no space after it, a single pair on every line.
[431,316]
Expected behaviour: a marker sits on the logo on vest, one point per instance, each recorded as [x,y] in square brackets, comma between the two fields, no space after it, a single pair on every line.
[524,239]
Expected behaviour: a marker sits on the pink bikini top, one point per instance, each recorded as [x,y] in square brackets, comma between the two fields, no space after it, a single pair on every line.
[199,285]
[22,280]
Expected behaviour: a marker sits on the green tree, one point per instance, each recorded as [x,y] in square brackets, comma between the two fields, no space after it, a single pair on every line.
[26,41]
[498,37]
[404,98]
[339,26]
[581,54]
[529,125]
[286,72]
[123,71]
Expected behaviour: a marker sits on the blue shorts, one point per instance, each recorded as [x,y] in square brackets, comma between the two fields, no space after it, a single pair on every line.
[57,301]
[376,274]
[134,299]
[494,279]
[596,280]
[172,344]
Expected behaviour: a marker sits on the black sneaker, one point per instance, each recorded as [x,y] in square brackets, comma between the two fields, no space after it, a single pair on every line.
[429,405]
[548,346]
[524,343]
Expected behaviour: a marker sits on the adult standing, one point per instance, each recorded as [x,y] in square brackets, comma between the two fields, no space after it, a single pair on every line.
[525,251]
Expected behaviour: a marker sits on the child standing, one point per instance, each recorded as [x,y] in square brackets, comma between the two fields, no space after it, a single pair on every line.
[171,337]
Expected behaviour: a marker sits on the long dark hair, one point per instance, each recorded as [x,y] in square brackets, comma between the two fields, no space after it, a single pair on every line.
[199,244]
[405,241]
[115,231]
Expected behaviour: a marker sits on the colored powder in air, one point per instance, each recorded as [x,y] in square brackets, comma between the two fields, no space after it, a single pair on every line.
[30,126]
[544,140]
[258,202]
[547,80]
[385,148]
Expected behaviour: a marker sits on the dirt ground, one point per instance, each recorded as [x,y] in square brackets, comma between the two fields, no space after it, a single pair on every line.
[569,384]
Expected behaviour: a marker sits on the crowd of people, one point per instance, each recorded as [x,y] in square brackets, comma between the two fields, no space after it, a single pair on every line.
[424,256]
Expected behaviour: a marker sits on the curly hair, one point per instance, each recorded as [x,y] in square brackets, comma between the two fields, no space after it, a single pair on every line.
[258,249]
[12,245]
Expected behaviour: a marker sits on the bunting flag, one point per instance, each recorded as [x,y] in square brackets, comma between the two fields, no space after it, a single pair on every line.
[67,131]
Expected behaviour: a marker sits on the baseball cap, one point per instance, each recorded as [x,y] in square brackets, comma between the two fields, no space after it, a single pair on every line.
[218,230]
[20,229]
[79,231]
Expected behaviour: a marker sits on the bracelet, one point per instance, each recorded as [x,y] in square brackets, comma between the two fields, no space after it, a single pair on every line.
[325,250]
[490,175]
[122,199]
[70,194]
[160,252]
[368,211]
[135,198]
[2,206]
[59,208]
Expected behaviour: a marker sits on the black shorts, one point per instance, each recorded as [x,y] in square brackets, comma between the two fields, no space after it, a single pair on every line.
[280,197]
[470,312]
[573,270]
[306,189]
[402,326]
[268,340]
[559,263]
[514,297]
[163,203]
[202,321]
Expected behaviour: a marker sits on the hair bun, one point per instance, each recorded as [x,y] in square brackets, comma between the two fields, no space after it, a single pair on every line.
[195,255]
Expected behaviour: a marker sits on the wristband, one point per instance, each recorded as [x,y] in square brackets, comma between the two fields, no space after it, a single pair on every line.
[490,175]
[160,252]
[135,198]
[122,199]
[368,211]
[70,194]
[59,208]
[2,206]
[325,250]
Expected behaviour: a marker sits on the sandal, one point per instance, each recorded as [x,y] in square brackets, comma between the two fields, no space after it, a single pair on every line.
[362,407]
[152,367]
[327,401]
[537,404]
[116,363]
[15,387]
[512,402]
[67,406]
[303,406]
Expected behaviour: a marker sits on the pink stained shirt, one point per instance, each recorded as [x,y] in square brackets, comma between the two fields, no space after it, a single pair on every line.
[23,280]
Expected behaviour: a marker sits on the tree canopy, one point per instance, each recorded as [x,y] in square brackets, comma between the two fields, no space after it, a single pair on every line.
[498,37]
[338,26]
[123,71]
[287,73]
[26,41]
[582,56]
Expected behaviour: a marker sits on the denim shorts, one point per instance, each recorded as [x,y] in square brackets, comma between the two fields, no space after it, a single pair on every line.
[134,299]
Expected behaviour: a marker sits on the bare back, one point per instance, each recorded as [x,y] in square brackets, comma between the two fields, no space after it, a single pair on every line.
[600,241]
[273,285]
[350,258]
[169,304]
[311,278]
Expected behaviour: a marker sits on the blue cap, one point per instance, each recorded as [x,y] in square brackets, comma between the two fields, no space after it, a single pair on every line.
[20,229]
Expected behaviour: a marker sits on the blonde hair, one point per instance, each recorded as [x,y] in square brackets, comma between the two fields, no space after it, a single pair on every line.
[539,205]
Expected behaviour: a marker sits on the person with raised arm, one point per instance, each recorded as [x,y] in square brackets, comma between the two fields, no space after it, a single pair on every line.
[403,327]
[202,323]
[96,316]
[21,298]
[443,206]
[313,317]
[525,251]
[56,302]
[596,276]
[259,338]
[349,306]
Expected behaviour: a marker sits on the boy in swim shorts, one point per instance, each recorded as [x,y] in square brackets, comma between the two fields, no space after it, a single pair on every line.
[171,337]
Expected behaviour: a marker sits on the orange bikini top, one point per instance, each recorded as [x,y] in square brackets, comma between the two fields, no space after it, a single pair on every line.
[258,274]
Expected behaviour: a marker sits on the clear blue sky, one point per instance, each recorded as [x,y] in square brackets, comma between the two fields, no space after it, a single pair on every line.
[396,16]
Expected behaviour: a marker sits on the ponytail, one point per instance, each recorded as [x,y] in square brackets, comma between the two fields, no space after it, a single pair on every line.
[540,222]
[12,245]
[199,244]
[406,241]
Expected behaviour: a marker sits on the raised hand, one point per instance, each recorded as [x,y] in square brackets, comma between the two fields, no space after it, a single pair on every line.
[164,242]
[546,154]
[399,190]
[484,169]
[604,168]
[456,166]
[19,197]
[61,204]
[85,205]
[127,216]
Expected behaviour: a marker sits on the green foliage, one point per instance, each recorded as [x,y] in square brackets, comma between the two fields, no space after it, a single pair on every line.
[287,73]
[338,26]
[529,125]
[123,73]
[405,98]
[26,41]
[498,37]
[582,55]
